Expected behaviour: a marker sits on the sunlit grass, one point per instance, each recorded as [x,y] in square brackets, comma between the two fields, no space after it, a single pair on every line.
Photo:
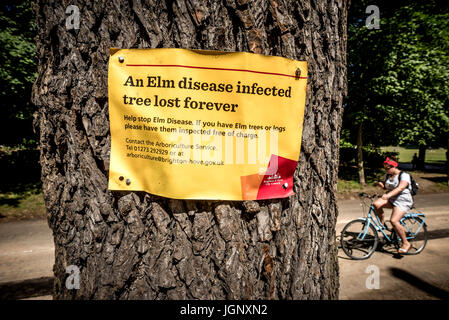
[406,155]
[348,185]
[22,205]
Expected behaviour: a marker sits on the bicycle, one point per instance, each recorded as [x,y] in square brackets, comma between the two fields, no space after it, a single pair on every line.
[360,237]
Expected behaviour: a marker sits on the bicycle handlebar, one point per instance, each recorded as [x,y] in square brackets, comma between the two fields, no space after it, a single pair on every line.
[365,195]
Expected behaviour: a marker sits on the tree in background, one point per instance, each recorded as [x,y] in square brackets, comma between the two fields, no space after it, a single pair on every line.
[398,75]
[134,245]
[17,72]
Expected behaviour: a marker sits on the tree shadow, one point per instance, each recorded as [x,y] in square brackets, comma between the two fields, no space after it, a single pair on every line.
[438,234]
[436,179]
[419,283]
[435,167]
[388,248]
[27,288]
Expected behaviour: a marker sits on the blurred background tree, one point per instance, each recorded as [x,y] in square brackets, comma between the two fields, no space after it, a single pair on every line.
[18,70]
[397,76]
[20,185]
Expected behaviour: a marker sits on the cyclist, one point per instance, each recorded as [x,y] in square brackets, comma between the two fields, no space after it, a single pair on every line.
[398,198]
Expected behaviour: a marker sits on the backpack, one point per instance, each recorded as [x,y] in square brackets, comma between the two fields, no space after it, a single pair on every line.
[413,184]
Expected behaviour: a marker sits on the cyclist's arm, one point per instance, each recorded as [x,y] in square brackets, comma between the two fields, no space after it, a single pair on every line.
[380,184]
[402,185]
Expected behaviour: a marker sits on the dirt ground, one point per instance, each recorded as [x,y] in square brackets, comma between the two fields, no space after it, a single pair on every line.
[27,257]
[401,277]
[27,250]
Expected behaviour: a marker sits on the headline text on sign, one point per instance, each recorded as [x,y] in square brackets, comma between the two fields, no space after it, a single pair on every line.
[190,84]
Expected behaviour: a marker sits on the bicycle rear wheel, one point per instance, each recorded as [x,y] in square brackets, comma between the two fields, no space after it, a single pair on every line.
[416,233]
[358,239]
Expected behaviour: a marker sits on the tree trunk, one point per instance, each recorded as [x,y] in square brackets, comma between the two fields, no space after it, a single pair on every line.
[360,157]
[447,161]
[133,245]
[421,157]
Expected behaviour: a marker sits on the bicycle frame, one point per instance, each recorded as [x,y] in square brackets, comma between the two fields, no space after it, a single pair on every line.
[379,227]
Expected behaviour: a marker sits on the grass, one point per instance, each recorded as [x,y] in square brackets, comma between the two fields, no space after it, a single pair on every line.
[437,156]
[348,180]
[20,186]
[14,206]
[443,185]
[21,201]
[348,185]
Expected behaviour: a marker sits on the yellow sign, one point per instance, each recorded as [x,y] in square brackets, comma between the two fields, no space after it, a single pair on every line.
[192,124]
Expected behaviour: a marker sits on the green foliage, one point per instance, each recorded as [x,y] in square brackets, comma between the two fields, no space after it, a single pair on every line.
[398,75]
[372,156]
[17,72]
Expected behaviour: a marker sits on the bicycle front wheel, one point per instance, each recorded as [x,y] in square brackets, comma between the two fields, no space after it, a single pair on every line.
[359,239]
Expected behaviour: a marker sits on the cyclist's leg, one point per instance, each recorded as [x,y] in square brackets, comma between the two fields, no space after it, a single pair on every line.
[396,217]
[379,204]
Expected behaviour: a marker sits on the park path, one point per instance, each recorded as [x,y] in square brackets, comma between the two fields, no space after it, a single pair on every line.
[26,250]
[421,277]
[27,257]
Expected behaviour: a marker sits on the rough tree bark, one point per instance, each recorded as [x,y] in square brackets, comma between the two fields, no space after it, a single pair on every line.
[140,246]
